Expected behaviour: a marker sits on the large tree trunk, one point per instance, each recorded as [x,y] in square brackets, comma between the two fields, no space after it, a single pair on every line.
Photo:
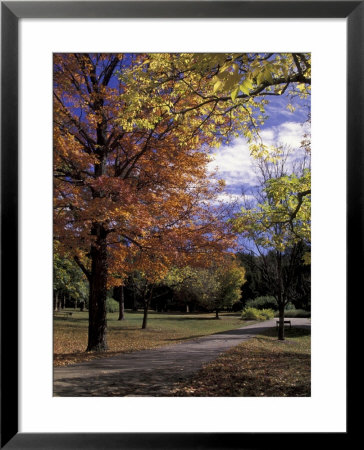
[98,292]
[217,314]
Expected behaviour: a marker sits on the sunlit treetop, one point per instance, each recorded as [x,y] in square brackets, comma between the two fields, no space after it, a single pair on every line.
[217,96]
[283,217]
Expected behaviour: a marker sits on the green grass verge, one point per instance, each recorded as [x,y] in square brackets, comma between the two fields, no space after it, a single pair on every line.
[259,367]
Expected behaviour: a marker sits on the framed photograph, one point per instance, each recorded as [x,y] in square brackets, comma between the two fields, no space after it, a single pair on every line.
[46,44]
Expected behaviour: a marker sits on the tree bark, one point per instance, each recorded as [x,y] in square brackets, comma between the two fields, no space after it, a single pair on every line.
[59,302]
[280,299]
[55,301]
[217,314]
[146,306]
[121,303]
[281,323]
[135,303]
[98,292]
[145,315]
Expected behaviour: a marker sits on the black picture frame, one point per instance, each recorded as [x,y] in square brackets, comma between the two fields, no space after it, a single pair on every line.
[11,12]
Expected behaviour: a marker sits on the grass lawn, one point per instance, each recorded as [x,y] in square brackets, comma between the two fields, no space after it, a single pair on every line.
[260,367]
[70,335]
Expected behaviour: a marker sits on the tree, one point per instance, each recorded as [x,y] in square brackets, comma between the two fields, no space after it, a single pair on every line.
[231,277]
[179,280]
[255,285]
[68,280]
[125,199]
[259,284]
[215,287]
[278,224]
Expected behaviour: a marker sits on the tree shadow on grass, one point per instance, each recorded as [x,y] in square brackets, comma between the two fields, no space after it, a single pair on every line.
[144,383]
[187,338]
[296,330]
[185,319]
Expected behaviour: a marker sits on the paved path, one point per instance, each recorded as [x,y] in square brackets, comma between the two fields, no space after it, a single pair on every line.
[151,372]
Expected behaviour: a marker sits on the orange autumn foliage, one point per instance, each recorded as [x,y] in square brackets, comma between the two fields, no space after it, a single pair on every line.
[152,197]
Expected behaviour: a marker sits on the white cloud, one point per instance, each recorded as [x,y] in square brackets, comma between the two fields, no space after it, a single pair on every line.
[234,163]
[268,135]
[289,133]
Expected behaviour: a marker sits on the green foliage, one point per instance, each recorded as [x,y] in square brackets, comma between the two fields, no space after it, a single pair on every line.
[283,218]
[290,306]
[231,281]
[68,278]
[257,314]
[264,302]
[212,86]
[298,313]
[251,314]
[111,305]
[267,313]
[214,288]
[268,303]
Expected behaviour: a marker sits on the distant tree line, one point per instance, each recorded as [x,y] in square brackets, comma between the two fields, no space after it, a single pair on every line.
[260,274]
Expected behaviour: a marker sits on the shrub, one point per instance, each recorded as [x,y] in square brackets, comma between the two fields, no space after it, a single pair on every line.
[257,314]
[289,307]
[111,305]
[298,313]
[265,302]
[267,313]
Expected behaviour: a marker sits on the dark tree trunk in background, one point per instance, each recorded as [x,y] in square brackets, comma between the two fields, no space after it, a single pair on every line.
[59,302]
[135,303]
[145,315]
[146,306]
[98,291]
[55,301]
[121,304]
[118,295]
[280,299]
[217,314]
[281,323]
